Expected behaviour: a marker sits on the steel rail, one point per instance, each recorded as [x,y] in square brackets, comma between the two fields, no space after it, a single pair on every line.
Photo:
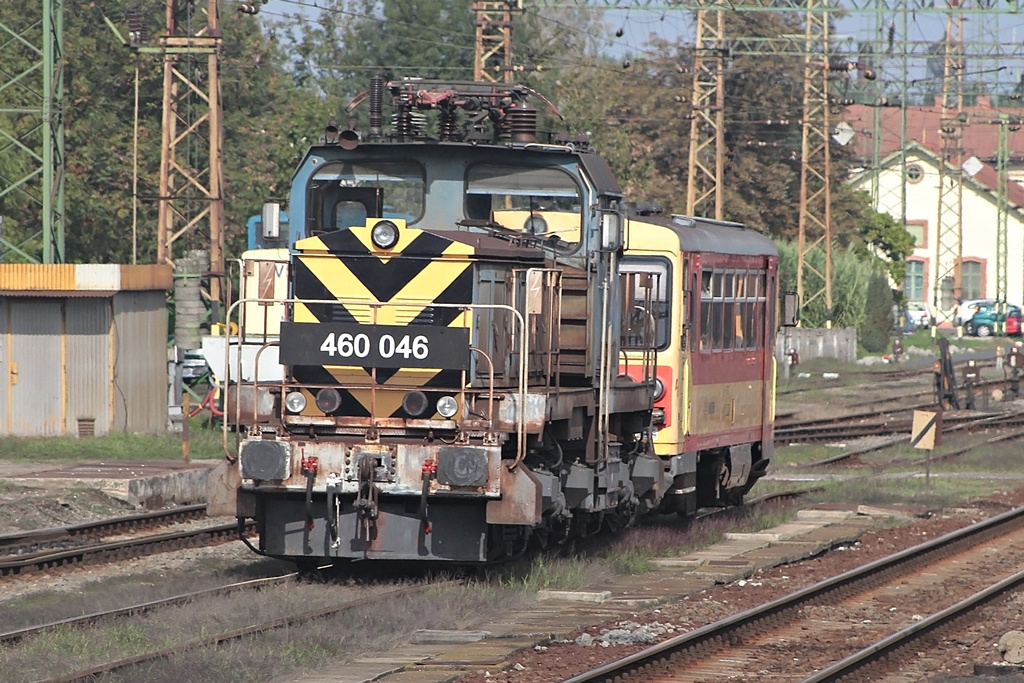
[712,637]
[1016,421]
[18,542]
[114,550]
[887,428]
[874,655]
[263,627]
[145,607]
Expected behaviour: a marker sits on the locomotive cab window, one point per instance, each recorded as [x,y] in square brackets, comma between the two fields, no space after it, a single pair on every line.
[646,285]
[541,201]
[340,196]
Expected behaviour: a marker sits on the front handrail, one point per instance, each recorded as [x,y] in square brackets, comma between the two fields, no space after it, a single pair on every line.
[517,316]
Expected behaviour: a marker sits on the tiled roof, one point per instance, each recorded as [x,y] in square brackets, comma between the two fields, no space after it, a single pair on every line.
[980,138]
[980,133]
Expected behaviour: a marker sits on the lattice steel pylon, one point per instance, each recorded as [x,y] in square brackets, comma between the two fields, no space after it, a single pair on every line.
[1006,126]
[191,171]
[815,223]
[492,61]
[32,128]
[948,287]
[707,123]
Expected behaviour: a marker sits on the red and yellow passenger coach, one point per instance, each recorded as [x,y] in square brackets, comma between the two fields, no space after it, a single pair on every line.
[715,321]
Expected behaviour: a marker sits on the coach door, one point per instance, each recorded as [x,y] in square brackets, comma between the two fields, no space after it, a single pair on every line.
[768,329]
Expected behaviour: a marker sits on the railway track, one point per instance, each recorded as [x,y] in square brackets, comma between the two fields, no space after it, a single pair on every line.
[217,639]
[22,542]
[146,607]
[844,430]
[49,549]
[729,647]
[1000,422]
[886,655]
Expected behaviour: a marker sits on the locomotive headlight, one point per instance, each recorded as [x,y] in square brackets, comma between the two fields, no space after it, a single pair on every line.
[659,389]
[384,234]
[447,406]
[328,400]
[295,402]
[415,403]
[535,225]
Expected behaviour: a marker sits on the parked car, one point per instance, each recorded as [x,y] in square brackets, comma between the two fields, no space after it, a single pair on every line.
[918,312]
[983,322]
[966,310]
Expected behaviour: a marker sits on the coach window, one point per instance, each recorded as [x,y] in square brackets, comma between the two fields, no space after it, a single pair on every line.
[728,307]
[732,309]
[651,302]
[339,194]
[541,201]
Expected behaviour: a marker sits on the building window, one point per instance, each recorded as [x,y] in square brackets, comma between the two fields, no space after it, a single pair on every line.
[919,230]
[914,173]
[913,284]
[971,282]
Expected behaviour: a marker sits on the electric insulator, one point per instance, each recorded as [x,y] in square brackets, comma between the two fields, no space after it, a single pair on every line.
[838,64]
[247,8]
[376,105]
[522,122]
[448,124]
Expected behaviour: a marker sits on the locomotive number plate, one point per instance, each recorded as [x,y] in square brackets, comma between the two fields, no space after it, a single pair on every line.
[375,346]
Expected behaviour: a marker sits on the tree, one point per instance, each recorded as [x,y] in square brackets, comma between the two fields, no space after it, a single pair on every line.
[877,323]
[348,42]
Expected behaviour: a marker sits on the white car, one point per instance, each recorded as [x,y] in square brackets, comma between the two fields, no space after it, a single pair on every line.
[919,314]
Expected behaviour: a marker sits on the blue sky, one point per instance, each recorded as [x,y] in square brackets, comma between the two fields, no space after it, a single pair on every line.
[638,24]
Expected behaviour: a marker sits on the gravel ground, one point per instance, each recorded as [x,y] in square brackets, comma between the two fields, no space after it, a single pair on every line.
[956,656]
[28,507]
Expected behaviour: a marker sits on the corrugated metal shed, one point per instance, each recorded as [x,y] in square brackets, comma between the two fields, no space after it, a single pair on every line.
[83,349]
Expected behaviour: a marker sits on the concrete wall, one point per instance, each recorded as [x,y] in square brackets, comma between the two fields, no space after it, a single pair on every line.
[840,344]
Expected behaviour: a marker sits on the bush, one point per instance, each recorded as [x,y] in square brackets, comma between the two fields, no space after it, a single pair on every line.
[850,278]
[876,327]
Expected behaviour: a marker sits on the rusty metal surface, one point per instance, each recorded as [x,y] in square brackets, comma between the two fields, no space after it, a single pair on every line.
[247,401]
[521,498]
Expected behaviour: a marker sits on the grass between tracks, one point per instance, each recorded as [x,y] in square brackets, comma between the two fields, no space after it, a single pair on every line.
[285,652]
[205,444]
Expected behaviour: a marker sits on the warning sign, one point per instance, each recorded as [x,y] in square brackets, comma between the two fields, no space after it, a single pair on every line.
[924,431]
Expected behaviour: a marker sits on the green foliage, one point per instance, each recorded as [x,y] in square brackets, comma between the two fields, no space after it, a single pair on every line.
[876,327]
[205,444]
[850,278]
[890,239]
[282,78]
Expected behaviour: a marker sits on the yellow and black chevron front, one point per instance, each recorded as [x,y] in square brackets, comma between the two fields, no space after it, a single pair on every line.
[345,268]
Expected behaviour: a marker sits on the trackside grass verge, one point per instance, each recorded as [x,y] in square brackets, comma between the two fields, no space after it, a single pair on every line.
[205,445]
[632,550]
[907,490]
[282,654]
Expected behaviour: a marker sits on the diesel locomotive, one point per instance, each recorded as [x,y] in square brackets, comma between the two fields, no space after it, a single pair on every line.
[464,340]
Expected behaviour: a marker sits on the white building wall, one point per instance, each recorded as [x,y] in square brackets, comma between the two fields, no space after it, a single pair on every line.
[979,219]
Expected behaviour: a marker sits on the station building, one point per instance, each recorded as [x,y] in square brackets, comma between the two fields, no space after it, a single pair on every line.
[979,215]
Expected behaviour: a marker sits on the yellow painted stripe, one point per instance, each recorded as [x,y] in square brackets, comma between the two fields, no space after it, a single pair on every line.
[421,291]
